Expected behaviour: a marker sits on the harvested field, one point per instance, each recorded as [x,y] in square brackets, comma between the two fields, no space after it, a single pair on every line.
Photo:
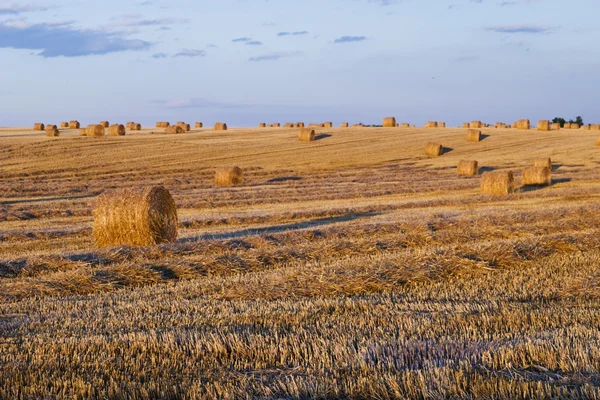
[351,267]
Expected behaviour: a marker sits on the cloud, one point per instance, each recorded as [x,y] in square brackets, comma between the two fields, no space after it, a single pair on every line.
[274,56]
[520,29]
[383,2]
[212,46]
[242,39]
[64,39]
[283,34]
[190,53]
[348,39]
[14,9]
[298,33]
[160,55]
[254,43]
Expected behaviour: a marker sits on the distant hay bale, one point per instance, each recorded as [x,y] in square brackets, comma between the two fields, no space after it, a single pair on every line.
[497,182]
[288,125]
[135,217]
[441,124]
[473,135]
[38,126]
[186,127]
[229,176]
[467,167]
[523,124]
[536,176]
[198,125]
[64,124]
[105,124]
[567,125]
[220,126]
[83,132]
[434,149]
[595,127]
[135,127]
[555,126]
[543,162]
[574,126]
[52,130]
[405,125]
[117,130]
[587,127]
[129,124]
[543,125]
[300,125]
[95,130]
[262,125]
[466,125]
[162,124]
[174,129]
[389,122]
[276,125]
[306,135]
[345,125]
[476,125]
[74,125]
[356,125]
[431,124]
[328,125]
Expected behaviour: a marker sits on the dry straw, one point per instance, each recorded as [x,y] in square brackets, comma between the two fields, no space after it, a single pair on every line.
[104,124]
[129,124]
[497,182]
[229,176]
[288,125]
[116,130]
[405,125]
[198,125]
[587,127]
[276,125]
[431,124]
[574,126]
[567,125]
[83,132]
[135,217]
[262,125]
[466,125]
[64,124]
[523,124]
[162,124]
[466,167]
[543,125]
[74,125]
[345,125]
[220,126]
[356,125]
[389,122]
[174,129]
[95,130]
[473,135]
[38,126]
[476,125]
[434,149]
[52,130]
[543,162]
[441,124]
[300,125]
[595,127]
[555,126]
[306,135]
[328,125]
[536,176]
[135,127]
[186,127]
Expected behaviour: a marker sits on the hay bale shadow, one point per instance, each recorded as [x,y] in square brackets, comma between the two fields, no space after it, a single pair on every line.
[561,180]
[284,179]
[556,167]
[486,169]
[483,137]
[446,150]
[322,136]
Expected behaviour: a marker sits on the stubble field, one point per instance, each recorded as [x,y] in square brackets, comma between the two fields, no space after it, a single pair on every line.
[350,267]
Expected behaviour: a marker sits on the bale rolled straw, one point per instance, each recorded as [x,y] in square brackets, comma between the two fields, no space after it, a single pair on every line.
[595,127]
[405,125]
[174,129]
[574,126]
[64,124]
[389,122]
[328,125]
[466,125]
[467,167]
[476,125]
[306,135]
[198,125]
[567,125]
[52,130]
[497,182]
[555,126]
[344,125]
[162,124]
[229,176]
[135,217]
[300,125]
[288,125]
[220,126]
[441,124]
[431,124]
[135,127]
[434,149]
[262,125]
[74,125]
[473,135]
[543,162]
[94,130]
[276,125]
[83,132]
[523,124]
[543,125]
[117,130]
[536,176]
[38,126]
[105,124]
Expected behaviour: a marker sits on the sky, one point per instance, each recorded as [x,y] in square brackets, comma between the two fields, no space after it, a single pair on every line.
[250,61]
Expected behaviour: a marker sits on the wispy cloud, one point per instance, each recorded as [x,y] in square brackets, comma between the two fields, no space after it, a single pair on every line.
[14,8]
[275,56]
[298,33]
[160,55]
[190,53]
[64,39]
[348,39]
[520,29]
[254,43]
[242,40]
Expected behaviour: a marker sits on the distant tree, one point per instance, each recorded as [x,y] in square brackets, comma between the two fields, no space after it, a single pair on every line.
[560,121]
[579,121]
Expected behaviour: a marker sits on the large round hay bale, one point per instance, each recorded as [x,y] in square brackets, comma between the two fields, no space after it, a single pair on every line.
[476,125]
[64,124]
[466,125]
[497,182]
[135,127]
[52,130]
[38,126]
[198,125]
[288,125]
[543,162]
[473,135]
[83,132]
[95,130]
[595,127]
[574,126]
[405,125]
[466,167]
[587,127]
[441,124]
[117,130]
[135,217]
[555,126]
[220,126]
[74,125]
[543,125]
[162,124]
[344,125]
[567,125]
[174,129]
[105,124]
[357,125]
[299,124]
[276,125]
[434,149]
[229,176]
[389,122]
[536,176]
[523,124]
[306,135]
[186,127]
[328,125]
[431,124]
[262,125]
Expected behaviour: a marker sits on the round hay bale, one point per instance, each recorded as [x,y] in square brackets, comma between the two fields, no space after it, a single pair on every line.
[74,125]
[587,127]
[476,125]
[135,217]
[117,130]
[220,126]
[300,125]
[536,176]
[198,125]
[555,126]
[543,125]
[574,126]
[431,124]
[441,124]
[52,130]
[105,124]
[129,124]
[229,176]
[344,125]
[466,125]
[434,149]
[95,130]
[262,125]
[38,126]
[162,124]
[473,135]
[389,122]
[595,127]
[186,127]
[306,135]
[567,125]
[174,129]
[135,127]
[64,124]
[404,125]
[467,167]
[497,182]
[523,124]
[357,125]
[543,162]
[83,132]
[288,125]
[276,125]
[327,125]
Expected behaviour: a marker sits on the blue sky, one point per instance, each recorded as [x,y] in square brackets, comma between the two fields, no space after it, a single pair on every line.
[249,61]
